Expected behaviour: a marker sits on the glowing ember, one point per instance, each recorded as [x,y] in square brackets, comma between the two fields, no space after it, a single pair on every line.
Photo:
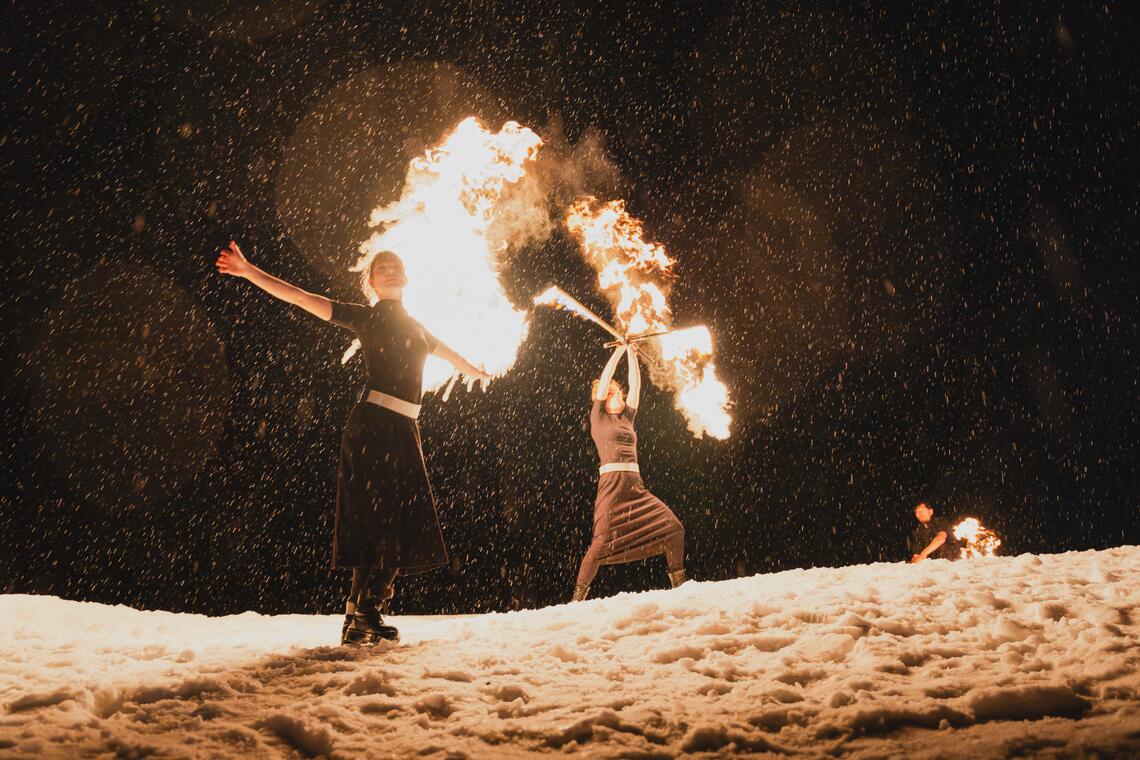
[635,275]
[979,540]
[438,227]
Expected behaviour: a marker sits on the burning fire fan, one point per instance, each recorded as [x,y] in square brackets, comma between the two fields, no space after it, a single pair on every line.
[636,275]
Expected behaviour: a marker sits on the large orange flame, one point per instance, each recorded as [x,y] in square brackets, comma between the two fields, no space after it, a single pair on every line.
[636,274]
[979,540]
[439,228]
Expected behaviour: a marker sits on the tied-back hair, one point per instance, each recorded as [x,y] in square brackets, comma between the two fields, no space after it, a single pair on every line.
[364,265]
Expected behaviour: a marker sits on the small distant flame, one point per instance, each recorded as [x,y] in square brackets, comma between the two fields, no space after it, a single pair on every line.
[439,228]
[979,540]
[635,275]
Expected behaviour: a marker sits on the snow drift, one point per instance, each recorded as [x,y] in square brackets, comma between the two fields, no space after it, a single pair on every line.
[1030,655]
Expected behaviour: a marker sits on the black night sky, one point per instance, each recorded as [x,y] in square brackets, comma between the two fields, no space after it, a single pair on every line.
[912,232]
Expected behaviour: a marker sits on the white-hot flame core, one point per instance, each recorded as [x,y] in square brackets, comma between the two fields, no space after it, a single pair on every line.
[635,275]
[438,227]
[980,541]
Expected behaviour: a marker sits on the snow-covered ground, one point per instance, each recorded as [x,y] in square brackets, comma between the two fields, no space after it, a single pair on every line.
[1030,655]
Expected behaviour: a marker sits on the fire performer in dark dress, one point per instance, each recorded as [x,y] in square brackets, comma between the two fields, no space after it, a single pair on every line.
[386,518]
[630,523]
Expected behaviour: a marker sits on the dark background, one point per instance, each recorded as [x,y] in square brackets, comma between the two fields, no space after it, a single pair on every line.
[912,232]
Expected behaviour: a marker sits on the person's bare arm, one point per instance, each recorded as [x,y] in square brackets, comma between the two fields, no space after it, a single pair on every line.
[634,397]
[231,261]
[448,354]
[937,541]
[608,374]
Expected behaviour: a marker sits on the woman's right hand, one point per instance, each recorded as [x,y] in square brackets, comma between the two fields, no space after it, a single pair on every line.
[231,261]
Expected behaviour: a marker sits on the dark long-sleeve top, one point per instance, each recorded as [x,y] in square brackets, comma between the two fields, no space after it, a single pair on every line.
[394,346]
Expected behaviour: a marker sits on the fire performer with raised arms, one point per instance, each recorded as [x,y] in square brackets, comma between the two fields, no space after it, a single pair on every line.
[386,517]
[630,523]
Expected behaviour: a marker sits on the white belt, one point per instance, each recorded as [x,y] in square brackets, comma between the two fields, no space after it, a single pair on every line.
[397,405]
[619,467]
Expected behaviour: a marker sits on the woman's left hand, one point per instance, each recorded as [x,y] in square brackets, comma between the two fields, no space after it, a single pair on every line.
[231,261]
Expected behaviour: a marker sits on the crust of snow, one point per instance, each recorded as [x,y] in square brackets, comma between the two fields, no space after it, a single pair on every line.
[1030,655]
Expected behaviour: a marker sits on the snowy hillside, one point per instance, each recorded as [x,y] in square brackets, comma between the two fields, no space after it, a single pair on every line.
[1031,655]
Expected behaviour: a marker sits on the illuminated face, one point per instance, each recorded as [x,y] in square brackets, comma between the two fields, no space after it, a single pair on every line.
[615,399]
[387,276]
[923,513]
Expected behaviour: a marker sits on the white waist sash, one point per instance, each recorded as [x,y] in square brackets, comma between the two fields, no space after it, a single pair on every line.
[619,467]
[397,405]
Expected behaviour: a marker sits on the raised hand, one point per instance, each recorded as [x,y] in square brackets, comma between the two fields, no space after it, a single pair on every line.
[231,261]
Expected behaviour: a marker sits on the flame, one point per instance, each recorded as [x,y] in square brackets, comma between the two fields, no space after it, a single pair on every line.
[980,541]
[439,228]
[558,298]
[635,275]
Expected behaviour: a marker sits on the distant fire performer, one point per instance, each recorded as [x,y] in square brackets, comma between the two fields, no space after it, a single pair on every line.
[930,538]
[630,523]
[386,519]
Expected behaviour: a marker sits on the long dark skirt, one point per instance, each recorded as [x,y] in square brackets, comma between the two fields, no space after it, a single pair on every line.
[385,511]
[630,523]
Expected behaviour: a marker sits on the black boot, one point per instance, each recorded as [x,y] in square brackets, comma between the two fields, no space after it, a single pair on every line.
[354,634]
[365,627]
[375,623]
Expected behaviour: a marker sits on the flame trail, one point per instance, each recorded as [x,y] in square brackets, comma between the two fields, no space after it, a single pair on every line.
[635,275]
[558,298]
[438,227]
[980,541]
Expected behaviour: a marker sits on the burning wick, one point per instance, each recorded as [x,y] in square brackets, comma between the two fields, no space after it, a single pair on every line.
[980,541]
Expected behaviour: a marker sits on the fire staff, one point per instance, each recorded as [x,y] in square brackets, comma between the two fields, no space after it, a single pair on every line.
[630,523]
[386,519]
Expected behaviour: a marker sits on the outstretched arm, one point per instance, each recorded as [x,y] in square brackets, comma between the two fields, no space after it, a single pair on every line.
[608,374]
[232,262]
[449,354]
[634,398]
[937,541]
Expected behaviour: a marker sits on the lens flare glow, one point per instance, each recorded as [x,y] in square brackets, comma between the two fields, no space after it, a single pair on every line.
[636,275]
[439,228]
[979,540]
